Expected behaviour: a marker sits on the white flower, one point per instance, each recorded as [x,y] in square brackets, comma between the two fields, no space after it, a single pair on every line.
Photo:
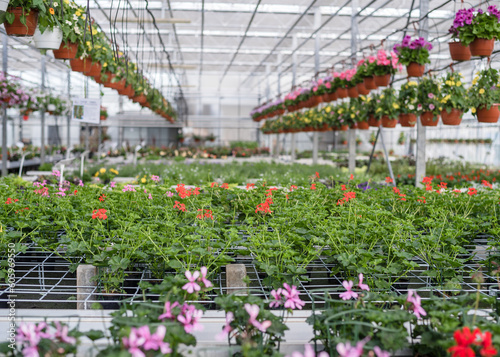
[55,4]
[69,22]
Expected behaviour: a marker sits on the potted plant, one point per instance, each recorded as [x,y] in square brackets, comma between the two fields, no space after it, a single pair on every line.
[453,97]
[48,34]
[370,108]
[340,82]
[211,137]
[22,17]
[361,114]
[352,82]
[72,24]
[414,55]
[477,28]
[484,96]
[408,102]
[388,108]
[103,113]
[429,105]
[384,66]
[196,138]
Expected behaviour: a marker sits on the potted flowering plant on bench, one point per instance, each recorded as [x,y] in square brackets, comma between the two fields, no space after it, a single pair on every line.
[414,55]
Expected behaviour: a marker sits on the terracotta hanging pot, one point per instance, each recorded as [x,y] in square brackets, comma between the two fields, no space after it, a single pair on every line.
[429,119]
[482,47]
[332,97]
[352,92]
[344,127]
[369,83]
[415,70]
[382,81]
[372,121]
[459,52]
[485,115]
[362,89]
[107,83]
[127,91]
[388,122]
[316,100]
[408,120]
[95,68]
[342,93]
[67,50]
[17,28]
[79,65]
[98,79]
[363,125]
[141,99]
[454,117]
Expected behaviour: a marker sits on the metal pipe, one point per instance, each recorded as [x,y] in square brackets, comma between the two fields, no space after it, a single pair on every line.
[317,44]
[5,58]
[386,155]
[42,115]
[68,119]
[354,52]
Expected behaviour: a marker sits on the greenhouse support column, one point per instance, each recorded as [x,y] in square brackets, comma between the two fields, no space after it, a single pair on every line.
[42,116]
[68,119]
[293,139]
[354,51]
[317,43]
[421,130]
[278,69]
[5,58]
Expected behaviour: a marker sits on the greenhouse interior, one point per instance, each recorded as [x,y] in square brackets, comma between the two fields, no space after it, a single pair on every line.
[256,178]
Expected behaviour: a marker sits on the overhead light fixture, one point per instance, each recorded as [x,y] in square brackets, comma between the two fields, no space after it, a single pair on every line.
[158,21]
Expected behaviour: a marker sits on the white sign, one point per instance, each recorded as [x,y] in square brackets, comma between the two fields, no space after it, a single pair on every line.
[86,110]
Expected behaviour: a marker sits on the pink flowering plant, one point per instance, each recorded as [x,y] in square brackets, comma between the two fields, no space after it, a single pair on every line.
[470,24]
[429,96]
[251,326]
[409,51]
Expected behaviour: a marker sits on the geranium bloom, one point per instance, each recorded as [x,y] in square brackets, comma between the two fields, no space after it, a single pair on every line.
[276,294]
[486,184]
[141,339]
[361,285]
[190,318]
[349,293]
[191,286]
[291,295]
[99,214]
[313,186]
[9,201]
[227,327]
[389,180]
[464,339]
[214,184]
[346,350]
[168,311]
[253,311]
[203,277]
[308,352]
[416,301]
[317,174]
[180,206]
[472,191]
[225,186]
[102,198]
[250,186]
[293,187]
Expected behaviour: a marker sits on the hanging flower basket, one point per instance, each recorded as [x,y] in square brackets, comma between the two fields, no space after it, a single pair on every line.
[429,119]
[372,121]
[127,91]
[382,81]
[454,117]
[407,120]
[415,70]
[141,99]
[17,28]
[388,122]
[482,47]
[362,89]
[363,125]
[344,127]
[342,92]
[485,115]
[95,68]
[51,39]
[369,83]
[98,79]
[459,52]
[79,65]
[352,92]
[67,50]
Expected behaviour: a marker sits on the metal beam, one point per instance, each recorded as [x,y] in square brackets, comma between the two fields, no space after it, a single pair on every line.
[201,44]
[5,58]
[354,52]
[317,44]
[42,115]
[293,139]
[421,132]
[68,119]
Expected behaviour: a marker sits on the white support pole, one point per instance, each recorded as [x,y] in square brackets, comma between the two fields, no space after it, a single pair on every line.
[317,44]
[421,130]
[68,119]
[354,50]
[5,58]
[42,115]
[293,139]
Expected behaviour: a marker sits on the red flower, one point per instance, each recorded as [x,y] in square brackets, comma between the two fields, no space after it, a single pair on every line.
[472,191]
[250,185]
[428,187]
[427,180]
[99,214]
[487,184]
[464,339]
[389,180]
[102,198]
[396,190]
[313,186]
[343,188]
[180,206]
[214,184]
[293,187]
[317,175]
[443,185]
[224,185]
[352,177]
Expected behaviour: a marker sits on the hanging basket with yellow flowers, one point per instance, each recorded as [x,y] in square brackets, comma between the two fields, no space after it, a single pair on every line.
[484,96]
[453,97]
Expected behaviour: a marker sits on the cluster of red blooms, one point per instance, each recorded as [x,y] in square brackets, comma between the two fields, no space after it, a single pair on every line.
[102,198]
[99,214]
[466,339]
[347,197]
[10,201]
[264,207]
[180,206]
[474,175]
[398,192]
[201,215]
[183,192]
[472,191]
[313,186]
[293,187]
[422,199]
[224,185]
[250,186]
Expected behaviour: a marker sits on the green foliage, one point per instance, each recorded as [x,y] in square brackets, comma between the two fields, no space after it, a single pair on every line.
[484,92]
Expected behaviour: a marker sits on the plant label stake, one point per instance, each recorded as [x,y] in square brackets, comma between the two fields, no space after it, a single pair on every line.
[81,162]
[137,148]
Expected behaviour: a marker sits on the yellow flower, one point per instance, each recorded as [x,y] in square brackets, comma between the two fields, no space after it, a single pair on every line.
[452,83]
[328,110]
[459,84]
[473,110]
[94,32]
[66,2]
[340,111]
[96,174]
[448,83]
[481,91]
[78,13]
[474,81]
[412,83]
[382,96]
[395,105]
[105,64]
[143,180]
[378,110]
[353,116]
[352,108]
[102,170]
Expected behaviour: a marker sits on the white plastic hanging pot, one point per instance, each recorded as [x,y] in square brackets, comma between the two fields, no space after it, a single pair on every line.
[49,40]
[4,4]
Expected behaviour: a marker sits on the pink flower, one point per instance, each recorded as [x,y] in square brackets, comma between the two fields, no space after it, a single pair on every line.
[155,341]
[191,287]
[150,197]
[328,85]
[227,327]
[291,295]
[349,293]
[155,178]
[203,277]
[253,311]
[276,294]
[431,106]
[361,285]
[190,318]
[416,301]
[168,311]
[346,350]
[62,334]
[112,184]
[430,95]
[170,194]
[141,339]
[56,173]
[379,353]
[308,352]
[80,183]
